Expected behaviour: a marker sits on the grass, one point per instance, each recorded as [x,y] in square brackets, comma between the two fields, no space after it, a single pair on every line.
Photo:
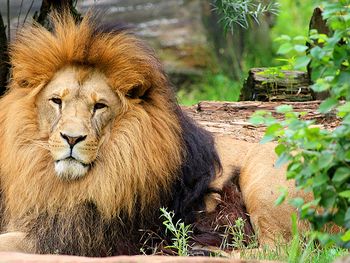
[301,249]
[297,251]
[211,87]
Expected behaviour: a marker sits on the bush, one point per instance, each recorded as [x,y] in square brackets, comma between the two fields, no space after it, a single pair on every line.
[319,160]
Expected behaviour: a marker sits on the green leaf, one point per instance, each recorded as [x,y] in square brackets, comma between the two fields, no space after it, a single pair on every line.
[300,48]
[320,85]
[283,159]
[281,148]
[257,119]
[283,38]
[345,194]
[297,202]
[346,236]
[328,104]
[273,128]
[347,218]
[284,108]
[301,62]
[328,198]
[317,53]
[320,180]
[285,48]
[300,38]
[344,109]
[282,196]
[267,138]
[325,159]
[341,174]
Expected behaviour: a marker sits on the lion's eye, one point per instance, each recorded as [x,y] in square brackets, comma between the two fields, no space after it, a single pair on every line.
[57,101]
[99,106]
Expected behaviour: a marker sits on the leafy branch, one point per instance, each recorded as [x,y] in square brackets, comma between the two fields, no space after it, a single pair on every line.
[240,12]
[319,159]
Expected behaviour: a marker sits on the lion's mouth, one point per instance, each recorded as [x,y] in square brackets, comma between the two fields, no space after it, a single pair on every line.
[71,168]
[72,159]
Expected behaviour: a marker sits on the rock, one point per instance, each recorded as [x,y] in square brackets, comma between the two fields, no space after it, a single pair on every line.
[185,34]
[174,29]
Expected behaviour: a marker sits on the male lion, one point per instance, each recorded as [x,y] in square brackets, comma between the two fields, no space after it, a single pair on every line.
[94,143]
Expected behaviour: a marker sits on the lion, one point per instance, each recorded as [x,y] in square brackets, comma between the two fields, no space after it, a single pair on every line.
[94,143]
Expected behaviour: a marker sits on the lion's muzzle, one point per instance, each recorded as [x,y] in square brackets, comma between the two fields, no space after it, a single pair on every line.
[73,154]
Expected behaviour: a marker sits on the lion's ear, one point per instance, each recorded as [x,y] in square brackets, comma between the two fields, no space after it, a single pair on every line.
[138,91]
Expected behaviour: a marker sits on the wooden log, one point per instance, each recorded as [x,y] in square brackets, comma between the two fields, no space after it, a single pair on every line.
[232,118]
[264,84]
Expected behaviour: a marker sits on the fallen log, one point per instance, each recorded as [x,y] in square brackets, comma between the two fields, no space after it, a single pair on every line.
[233,117]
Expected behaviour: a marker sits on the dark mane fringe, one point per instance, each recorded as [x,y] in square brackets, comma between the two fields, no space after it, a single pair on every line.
[84,232]
[201,164]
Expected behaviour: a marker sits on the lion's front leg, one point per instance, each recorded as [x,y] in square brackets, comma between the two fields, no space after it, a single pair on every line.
[14,242]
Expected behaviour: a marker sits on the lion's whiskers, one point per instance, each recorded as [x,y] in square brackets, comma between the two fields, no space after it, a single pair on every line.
[41,144]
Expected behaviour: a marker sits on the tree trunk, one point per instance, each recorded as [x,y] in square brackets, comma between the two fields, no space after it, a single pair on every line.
[265,84]
[317,22]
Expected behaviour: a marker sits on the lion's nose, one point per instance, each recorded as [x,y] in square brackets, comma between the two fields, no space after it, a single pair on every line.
[73,140]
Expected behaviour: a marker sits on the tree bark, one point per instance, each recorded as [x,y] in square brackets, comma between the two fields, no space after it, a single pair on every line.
[317,22]
[263,84]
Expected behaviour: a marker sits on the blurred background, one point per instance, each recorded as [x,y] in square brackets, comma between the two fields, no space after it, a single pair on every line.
[203,60]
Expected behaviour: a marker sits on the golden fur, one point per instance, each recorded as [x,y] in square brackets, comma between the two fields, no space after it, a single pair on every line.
[151,129]
[259,181]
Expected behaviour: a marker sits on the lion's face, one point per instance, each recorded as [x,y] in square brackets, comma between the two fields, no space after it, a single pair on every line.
[76,115]
[94,109]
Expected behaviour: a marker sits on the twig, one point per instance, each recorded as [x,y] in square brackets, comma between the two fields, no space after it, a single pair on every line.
[30,8]
[19,15]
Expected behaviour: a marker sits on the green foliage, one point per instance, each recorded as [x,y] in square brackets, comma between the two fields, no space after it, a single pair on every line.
[212,87]
[319,160]
[301,249]
[242,11]
[180,231]
[293,17]
[234,237]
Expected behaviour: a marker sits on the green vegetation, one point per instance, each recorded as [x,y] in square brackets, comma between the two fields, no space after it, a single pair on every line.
[293,17]
[319,160]
[212,87]
[241,12]
[289,17]
[180,232]
[301,249]
[234,238]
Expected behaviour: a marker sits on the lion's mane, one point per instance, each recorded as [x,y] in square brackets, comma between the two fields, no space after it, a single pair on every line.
[157,157]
